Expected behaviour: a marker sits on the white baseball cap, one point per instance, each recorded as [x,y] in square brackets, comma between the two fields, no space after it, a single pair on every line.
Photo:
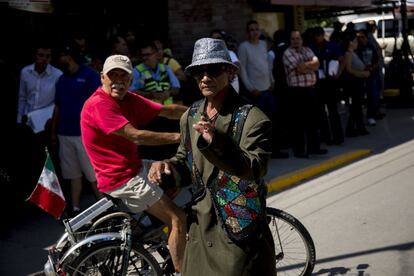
[117,61]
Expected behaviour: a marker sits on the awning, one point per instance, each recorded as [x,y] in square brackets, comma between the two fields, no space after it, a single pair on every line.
[326,3]
[39,6]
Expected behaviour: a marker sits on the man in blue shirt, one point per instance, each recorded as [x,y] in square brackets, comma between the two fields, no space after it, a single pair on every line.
[328,87]
[73,88]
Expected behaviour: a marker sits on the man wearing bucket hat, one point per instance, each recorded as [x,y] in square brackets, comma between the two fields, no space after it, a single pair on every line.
[111,121]
[222,138]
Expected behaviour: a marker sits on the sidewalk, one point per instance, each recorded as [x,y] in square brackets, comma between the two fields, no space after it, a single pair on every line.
[396,128]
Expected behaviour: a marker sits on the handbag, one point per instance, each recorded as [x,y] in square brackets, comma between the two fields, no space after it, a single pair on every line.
[238,203]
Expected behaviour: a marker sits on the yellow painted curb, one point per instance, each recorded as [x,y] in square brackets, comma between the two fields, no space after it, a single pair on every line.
[391,92]
[281,182]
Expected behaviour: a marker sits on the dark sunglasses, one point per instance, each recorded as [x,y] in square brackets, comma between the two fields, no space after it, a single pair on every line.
[212,70]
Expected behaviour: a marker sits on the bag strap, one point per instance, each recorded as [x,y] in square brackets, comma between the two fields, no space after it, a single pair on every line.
[237,121]
[235,130]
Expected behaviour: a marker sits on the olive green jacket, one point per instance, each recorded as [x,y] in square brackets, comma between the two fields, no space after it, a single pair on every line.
[208,250]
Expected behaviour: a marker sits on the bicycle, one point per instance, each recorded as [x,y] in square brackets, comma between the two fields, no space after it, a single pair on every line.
[106,240]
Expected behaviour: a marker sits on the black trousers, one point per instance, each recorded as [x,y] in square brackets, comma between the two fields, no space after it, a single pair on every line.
[331,130]
[304,119]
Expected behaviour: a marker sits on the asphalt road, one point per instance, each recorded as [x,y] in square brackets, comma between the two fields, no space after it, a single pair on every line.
[360,216]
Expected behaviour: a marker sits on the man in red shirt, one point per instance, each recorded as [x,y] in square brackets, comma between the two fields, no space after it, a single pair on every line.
[111,125]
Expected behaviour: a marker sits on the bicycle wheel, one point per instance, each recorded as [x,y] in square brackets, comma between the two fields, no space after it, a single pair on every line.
[294,247]
[106,259]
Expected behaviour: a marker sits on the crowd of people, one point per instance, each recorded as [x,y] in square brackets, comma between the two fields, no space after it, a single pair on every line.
[93,110]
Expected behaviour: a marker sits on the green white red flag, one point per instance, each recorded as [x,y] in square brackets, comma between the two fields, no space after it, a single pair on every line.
[48,194]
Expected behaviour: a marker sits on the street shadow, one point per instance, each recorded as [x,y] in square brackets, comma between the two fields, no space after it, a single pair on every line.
[361,267]
[396,247]
[343,271]
[332,271]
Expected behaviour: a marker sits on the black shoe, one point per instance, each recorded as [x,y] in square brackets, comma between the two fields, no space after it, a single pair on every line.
[301,155]
[319,151]
[279,155]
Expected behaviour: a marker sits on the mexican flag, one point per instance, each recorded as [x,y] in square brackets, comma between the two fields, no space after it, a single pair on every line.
[47,193]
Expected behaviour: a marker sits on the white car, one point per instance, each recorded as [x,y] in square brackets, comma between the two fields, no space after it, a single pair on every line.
[388,32]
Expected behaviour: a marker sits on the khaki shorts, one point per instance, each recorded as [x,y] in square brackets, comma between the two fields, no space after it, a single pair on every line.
[138,193]
[73,159]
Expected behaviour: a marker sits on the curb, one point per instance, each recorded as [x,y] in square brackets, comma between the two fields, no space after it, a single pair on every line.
[282,182]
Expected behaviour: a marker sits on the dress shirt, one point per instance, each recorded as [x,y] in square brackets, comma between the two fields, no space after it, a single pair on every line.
[36,90]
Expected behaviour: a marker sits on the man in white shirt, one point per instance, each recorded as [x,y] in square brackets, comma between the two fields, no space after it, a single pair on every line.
[256,75]
[255,69]
[35,106]
[37,90]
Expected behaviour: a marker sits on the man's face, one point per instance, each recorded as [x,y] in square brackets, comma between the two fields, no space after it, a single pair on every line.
[362,39]
[295,40]
[42,58]
[121,47]
[211,79]
[253,31]
[116,83]
[149,56]
[319,39]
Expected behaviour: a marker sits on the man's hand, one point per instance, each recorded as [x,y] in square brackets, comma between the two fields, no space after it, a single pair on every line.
[205,128]
[301,68]
[157,169]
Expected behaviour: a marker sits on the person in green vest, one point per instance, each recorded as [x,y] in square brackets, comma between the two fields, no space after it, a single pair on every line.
[152,79]
[157,82]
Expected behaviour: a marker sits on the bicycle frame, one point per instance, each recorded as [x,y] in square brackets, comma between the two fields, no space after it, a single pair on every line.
[120,227]
[54,264]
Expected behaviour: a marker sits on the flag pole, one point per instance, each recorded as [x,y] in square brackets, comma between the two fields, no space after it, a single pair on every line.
[64,216]
[48,194]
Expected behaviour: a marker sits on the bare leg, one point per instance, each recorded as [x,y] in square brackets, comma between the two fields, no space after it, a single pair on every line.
[76,189]
[96,192]
[175,218]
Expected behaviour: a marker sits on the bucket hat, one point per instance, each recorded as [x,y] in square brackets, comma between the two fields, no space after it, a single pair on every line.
[209,51]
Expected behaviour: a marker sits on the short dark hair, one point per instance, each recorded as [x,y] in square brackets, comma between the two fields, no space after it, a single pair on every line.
[363,31]
[41,43]
[251,22]
[147,44]
[318,31]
